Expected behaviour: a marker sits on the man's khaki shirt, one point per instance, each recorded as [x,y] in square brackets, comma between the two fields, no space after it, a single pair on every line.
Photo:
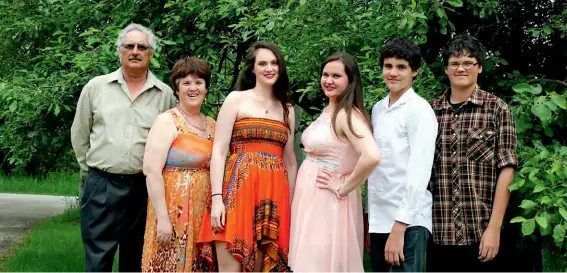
[110,129]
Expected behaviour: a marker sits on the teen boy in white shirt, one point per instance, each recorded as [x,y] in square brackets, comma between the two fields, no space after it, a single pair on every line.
[399,203]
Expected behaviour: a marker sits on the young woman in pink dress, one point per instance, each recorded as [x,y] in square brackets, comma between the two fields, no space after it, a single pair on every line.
[326,212]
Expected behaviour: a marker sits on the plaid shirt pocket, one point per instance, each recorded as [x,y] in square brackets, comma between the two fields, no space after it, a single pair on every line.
[480,145]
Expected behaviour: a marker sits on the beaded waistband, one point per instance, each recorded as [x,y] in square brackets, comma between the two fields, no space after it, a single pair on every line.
[325,164]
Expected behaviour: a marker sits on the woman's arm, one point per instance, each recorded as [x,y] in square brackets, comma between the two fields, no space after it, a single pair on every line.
[365,145]
[289,153]
[161,136]
[223,133]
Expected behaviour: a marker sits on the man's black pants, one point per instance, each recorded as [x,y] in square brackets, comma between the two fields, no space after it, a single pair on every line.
[441,258]
[113,213]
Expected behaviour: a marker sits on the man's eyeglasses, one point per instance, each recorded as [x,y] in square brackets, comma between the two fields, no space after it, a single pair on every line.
[466,65]
[141,47]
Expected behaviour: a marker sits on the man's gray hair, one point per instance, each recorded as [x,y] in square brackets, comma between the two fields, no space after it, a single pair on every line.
[138,27]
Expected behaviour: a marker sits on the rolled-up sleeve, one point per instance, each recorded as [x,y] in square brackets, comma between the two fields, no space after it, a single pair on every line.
[506,143]
[81,129]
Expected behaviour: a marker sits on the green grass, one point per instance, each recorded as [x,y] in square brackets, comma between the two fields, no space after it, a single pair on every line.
[60,183]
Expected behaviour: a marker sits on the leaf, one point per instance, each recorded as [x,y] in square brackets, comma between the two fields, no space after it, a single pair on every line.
[104,69]
[528,227]
[545,200]
[548,131]
[443,30]
[539,188]
[513,187]
[518,219]
[559,235]
[302,2]
[56,110]
[563,213]
[13,106]
[169,42]
[558,100]
[522,88]
[403,23]
[169,4]
[270,25]
[154,62]
[542,112]
[440,12]
[547,30]
[542,221]
[528,204]
[536,89]
[455,3]
[411,23]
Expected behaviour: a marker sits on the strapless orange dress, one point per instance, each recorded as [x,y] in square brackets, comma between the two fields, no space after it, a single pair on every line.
[255,193]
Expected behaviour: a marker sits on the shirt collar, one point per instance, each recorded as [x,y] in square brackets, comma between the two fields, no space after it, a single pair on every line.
[406,96]
[151,80]
[476,98]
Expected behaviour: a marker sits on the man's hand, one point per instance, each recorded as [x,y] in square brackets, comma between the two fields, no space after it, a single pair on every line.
[394,251]
[489,244]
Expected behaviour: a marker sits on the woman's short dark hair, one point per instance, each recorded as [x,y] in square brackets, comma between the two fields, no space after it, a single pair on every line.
[404,49]
[464,45]
[190,66]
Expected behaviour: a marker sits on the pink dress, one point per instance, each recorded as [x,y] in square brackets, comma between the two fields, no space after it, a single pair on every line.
[326,232]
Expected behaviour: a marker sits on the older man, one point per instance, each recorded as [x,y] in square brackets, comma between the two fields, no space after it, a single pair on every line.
[114,114]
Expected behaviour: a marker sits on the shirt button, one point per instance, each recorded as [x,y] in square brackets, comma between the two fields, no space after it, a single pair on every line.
[454,153]
[456,116]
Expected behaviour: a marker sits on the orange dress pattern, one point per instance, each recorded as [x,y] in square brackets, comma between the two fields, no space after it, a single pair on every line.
[256,197]
[187,186]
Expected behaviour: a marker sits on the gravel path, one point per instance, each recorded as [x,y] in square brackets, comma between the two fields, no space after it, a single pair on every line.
[21,212]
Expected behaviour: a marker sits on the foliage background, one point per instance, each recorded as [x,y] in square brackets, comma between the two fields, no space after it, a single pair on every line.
[50,48]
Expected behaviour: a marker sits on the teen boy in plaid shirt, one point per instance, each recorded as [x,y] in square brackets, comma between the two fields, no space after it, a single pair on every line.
[474,164]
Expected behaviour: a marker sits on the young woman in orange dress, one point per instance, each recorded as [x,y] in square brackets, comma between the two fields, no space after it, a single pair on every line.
[247,223]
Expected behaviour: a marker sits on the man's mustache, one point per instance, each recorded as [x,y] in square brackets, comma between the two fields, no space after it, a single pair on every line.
[135,58]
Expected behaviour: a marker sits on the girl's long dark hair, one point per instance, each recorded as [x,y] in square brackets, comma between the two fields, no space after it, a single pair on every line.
[247,79]
[352,97]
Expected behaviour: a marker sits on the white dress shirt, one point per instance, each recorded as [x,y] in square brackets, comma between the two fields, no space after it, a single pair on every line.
[397,189]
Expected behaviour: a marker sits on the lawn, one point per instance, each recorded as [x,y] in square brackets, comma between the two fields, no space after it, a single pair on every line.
[59,183]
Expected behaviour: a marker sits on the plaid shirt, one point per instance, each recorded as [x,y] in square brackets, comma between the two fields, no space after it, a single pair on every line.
[473,143]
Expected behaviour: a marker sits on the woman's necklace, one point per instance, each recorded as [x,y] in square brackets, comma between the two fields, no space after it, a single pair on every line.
[187,120]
